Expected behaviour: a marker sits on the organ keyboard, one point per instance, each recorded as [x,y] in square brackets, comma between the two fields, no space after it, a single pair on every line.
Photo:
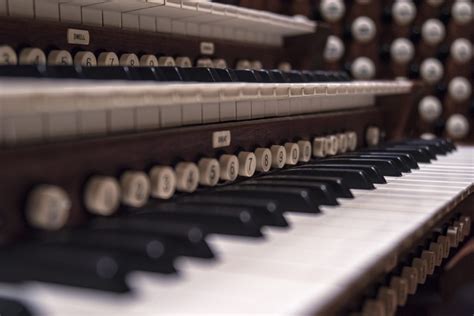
[150,170]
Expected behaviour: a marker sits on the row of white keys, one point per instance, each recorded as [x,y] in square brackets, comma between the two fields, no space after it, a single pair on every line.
[290,271]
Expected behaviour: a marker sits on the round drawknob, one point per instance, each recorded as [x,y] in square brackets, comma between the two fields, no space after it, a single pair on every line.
[403,12]
[461,50]
[430,108]
[48,207]
[135,187]
[433,31]
[102,195]
[334,49]
[363,29]
[457,126]
[402,50]
[363,68]
[372,136]
[462,12]
[459,89]
[332,10]
[431,70]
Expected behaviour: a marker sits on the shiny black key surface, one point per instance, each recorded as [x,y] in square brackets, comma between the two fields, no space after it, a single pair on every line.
[31,71]
[245,75]
[268,211]
[169,73]
[262,76]
[407,159]
[188,238]
[290,199]
[107,73]
[226,220]
[340,189]
[321,192]
[353,178]
[385,167]
[221,75]
[372,172]
[74,266]
[196,74]
[277,76]
[418,154]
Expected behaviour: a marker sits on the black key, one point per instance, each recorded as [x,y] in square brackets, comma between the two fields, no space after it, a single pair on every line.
[142,252]
[245,75]
[221,75]
[107,73]
[290,199]
[147,74]
[308,76]
[320,76]
[66,72]
[267,211]
[372,172]
[196,74]
[169,73]
[215,219]
[90,268]
[354,179]
[320,191]
[336,184]
[407,159]
[189,239]
[424,149]
[262,76]
[277,76]
[436,147]
[294,76]
[385,167]
[396,160]
[418,154]
[31,71]
[9,307]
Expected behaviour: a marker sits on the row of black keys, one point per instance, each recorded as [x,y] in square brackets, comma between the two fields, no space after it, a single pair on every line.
[170,74]
[100,254]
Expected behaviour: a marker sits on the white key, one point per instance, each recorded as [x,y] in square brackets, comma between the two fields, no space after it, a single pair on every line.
[461,50]
[184,62]
[351,141]
[459,89]
[305,150]
[102,195]
[457,126]
[319,147]
[461,12]
[229,166]
[292,153]
[247,163]
[334,49]
[433,31]
[148,61]
[403,12]
[363,29]
[187,177]
[278,156]
[166,61]
[108,59]
[332,10]
[32,56]
[219,63]
[86,59]
[130,60]
[402,50]
[163,182]
[256,64]
[204,62]
[363,68]
[60,57]
[264,159]
[430,108]
[342,142]
[135,187]
[48,207]
[8,56]
[431,70]
[331,145]
[243,64]
[209,171]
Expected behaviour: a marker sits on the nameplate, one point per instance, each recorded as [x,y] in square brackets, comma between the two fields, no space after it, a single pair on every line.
[78,37]
[207,48]
[221,139]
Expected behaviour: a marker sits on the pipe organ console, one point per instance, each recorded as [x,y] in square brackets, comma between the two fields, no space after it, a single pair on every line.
[181,157]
